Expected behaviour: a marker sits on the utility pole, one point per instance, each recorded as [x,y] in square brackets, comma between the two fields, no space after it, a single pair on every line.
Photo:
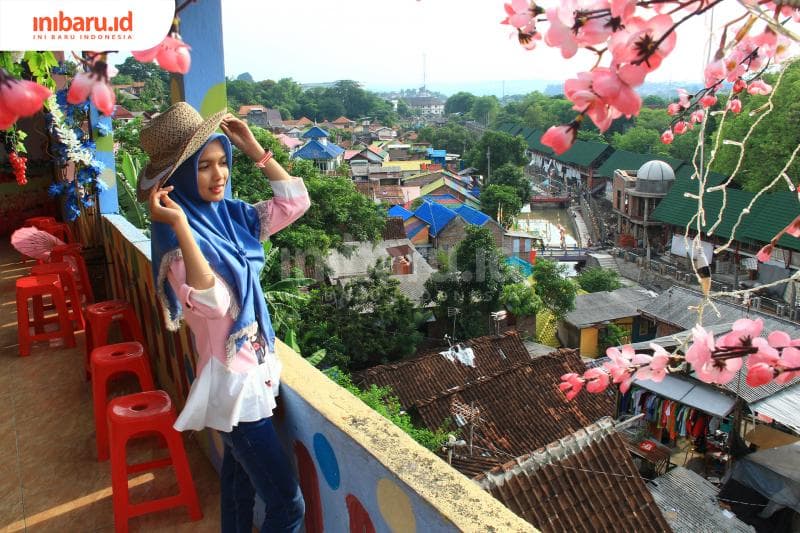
[488,165]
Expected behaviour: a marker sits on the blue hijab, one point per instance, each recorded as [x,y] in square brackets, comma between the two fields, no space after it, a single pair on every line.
[227,233]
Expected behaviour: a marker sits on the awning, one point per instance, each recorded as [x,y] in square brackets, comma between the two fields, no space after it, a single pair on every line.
[692,393]
[781,406]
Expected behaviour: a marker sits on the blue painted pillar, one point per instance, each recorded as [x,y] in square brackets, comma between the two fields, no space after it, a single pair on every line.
[107,200]
[204,85]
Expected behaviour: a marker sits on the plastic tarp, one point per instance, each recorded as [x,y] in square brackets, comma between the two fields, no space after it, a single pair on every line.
[692,393]
[773,473]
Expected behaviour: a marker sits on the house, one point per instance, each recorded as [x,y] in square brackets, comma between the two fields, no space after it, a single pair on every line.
[437,157]
[625,160]
[326,155]
[408,266]
[768,215]
[261,116]
[122,113]
[451,186]
[415,228]
[636,194]
[519,244]
[583,481]
[382,194]
[383,133]
[425,105]
[454,233]
[585,326]
[290,143]
[130,89]
[399,151]
[302,122]
[344,123]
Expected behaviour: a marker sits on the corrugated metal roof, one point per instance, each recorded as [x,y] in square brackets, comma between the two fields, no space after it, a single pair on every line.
[688,502]
[435,215]
[399,211]
[315,150]
[597,307]
[782,406]
[584,153]
[315,133]
[691,392]
[473,216]
[625,160]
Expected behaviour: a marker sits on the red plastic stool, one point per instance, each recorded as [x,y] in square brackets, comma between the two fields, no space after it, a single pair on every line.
[100,317]
[71,253]
[58,229]
[37,221]
[109,361]
[146,413]
[64,273]
[36,287]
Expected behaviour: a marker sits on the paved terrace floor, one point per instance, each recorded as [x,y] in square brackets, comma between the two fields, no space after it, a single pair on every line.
[50,479]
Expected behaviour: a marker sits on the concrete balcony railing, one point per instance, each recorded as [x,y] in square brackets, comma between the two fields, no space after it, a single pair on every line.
[356,468]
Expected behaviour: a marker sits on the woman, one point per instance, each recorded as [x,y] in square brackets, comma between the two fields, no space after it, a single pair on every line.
[207,256]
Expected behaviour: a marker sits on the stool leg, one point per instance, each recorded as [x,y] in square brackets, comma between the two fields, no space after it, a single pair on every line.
[99,397]
[23,331]
[64,321]
[74,301]
[184,474]
[119,482]
[38,313]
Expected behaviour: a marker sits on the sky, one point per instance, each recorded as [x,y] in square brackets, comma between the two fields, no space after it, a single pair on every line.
[387,42]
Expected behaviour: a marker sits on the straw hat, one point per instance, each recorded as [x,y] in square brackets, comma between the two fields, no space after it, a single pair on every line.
[171,138]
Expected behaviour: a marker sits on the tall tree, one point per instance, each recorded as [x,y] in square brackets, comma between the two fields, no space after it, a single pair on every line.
[461,102]
[500,147]
[501,201]
[556,291]
[513,176]
[484,109]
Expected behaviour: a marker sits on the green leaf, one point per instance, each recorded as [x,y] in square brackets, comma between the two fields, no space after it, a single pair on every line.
[317,357]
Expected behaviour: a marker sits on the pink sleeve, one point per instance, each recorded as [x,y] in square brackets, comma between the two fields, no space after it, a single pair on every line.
[289,202]
[206,303]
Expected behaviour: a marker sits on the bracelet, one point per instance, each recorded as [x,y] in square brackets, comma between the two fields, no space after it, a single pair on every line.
[261,163]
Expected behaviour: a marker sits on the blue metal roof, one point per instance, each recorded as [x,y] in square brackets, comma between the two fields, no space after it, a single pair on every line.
[315,133]
[434,215]
[399,211]
[473,216]
[436,153]
[315,150]
[523,266]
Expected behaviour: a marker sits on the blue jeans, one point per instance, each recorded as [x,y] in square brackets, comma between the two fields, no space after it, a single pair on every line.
[255,463]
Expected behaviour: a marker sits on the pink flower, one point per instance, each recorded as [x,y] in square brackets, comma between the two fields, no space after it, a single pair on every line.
[571,384]
[699,353]
[519,13]
[734,105]
[683,98]
[630,45]
[793,229]
[765,253]
[759,374]
[790,359]
[697,116]
[619,366]
[714,72]
[656,365]
[680,127]
[759,87]
[560,35]
[742,333]
[172,54]
[708,100]
[739,85]
[596,380]
[674,108]
[615,92]
[719,370]
[623,9]
[667,137]
[559,138]
[19,98]
[94,84]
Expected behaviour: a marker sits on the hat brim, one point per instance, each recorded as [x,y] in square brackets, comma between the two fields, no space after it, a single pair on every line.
[151,177]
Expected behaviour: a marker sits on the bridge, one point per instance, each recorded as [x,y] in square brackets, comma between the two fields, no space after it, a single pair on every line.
[557,253]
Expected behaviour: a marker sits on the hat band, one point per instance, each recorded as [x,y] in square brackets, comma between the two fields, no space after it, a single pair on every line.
[146,183]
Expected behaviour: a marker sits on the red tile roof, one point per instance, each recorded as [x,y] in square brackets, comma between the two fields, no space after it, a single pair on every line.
[506,400]
[583,482]
[245,109]
[343,120]
[430,374]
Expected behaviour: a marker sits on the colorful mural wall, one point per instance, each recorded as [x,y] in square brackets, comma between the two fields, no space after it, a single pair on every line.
[358,472]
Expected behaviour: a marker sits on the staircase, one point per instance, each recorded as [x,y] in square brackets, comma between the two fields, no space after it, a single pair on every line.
[607,261]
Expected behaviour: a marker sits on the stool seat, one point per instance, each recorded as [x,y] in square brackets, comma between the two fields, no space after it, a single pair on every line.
[107,362]
[99,319]
[35,288]
[37,222]
[146,413]
[64,272]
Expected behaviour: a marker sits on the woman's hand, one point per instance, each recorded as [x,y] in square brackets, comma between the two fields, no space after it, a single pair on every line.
[164,209]
[241,137]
